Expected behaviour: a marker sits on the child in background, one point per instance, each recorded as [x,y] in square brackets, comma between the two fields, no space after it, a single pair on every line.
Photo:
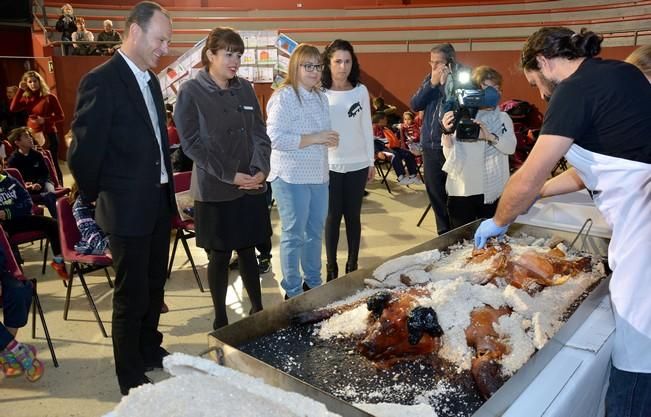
[398,148]
[16,216]
[32,167]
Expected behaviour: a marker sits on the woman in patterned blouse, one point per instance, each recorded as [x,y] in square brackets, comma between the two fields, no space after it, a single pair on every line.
[298,125]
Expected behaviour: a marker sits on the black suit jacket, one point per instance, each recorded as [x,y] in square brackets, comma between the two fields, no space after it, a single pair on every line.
[114,155]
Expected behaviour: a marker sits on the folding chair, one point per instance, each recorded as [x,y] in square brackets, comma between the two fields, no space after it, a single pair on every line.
[15,271]
[422,217]
[419,165]
[79,263]
[184,228]
[32,235]
[383,168]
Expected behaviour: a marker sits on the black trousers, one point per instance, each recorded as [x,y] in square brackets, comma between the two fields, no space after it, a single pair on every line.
[218,280]
[31,223]
[140,264]
[435,178]
[467,209]
[346,192]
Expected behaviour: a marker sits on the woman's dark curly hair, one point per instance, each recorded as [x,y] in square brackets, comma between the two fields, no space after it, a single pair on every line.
[339,45]
[554,42]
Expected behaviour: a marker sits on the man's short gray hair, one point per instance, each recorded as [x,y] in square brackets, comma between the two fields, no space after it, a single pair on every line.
[107,21]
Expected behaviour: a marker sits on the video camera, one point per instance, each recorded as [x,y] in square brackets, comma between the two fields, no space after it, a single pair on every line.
[465,100]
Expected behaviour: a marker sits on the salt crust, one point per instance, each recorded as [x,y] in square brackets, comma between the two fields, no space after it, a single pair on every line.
[455,293]
[203,388]
[413,266]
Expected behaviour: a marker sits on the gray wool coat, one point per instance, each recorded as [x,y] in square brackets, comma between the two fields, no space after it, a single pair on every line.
[222,131]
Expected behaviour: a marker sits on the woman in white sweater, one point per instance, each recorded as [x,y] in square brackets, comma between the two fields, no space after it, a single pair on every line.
[351,163]
[478,170]
[298,124]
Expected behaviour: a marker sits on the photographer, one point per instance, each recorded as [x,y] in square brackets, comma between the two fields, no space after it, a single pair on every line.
[477,167]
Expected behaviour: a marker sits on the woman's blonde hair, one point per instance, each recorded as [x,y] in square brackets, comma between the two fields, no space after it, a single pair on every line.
[301,55]
[641,58]
[45,90]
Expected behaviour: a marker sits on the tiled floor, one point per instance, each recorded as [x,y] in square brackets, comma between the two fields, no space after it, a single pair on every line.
[85,383]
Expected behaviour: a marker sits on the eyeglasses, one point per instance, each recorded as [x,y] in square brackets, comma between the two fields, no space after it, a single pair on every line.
[312,67]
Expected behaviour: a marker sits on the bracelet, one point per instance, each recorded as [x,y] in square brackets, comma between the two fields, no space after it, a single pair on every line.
[495,138]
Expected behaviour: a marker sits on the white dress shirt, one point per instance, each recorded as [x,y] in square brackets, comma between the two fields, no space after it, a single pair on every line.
[143,78]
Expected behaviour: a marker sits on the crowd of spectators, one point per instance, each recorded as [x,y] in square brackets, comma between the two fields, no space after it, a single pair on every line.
[77,40]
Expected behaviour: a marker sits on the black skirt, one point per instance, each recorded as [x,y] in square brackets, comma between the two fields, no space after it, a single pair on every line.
[229,225]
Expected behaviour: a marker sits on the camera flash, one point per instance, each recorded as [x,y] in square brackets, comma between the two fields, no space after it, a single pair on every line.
[464,77]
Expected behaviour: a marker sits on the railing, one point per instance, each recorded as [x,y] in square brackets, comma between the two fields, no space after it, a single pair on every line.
[91,44]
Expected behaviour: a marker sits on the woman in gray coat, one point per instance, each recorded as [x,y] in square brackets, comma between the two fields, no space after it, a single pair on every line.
[221,129]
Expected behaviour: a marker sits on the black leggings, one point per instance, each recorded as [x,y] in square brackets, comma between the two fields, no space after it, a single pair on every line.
[53,138]
[218,281]
[345,199]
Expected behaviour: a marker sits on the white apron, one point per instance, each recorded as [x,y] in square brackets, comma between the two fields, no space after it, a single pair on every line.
[622,193]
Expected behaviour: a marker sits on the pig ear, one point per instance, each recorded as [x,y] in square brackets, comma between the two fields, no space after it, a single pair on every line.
[377,302]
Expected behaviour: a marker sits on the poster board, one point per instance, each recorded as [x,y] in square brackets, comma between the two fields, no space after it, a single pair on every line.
[265,60]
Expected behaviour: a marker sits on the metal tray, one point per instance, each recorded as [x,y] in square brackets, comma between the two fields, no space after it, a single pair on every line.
[279,316]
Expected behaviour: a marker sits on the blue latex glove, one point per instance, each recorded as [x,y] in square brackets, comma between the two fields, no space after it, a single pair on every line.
[486,230]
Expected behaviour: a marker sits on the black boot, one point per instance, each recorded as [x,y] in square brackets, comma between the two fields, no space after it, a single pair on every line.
[332,272]
[351,266]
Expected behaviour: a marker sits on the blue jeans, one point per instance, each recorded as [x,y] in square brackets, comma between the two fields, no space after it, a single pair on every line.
[629,394]
[303,209]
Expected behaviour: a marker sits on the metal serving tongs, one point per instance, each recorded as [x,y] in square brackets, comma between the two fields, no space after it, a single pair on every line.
[587,223]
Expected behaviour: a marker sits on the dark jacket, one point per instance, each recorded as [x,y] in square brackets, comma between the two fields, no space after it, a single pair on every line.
[114,155]
[67,25]
[14,199]
[429,98]
[222,131]
[31,166]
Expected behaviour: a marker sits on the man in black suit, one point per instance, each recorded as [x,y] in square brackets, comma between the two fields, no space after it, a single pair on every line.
[119,158]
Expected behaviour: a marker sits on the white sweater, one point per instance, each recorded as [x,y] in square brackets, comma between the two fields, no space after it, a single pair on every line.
[350,115]
[479,167]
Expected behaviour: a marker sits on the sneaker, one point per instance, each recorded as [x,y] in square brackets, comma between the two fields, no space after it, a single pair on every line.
[415,180]
[60,267]
[26,357]
[264,264]
[403,180]
[9,365]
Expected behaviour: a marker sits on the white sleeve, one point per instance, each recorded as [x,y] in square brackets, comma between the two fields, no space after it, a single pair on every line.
[506,139]
[367,123]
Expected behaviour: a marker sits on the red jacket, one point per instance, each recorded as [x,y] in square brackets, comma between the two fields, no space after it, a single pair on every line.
[47,107]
